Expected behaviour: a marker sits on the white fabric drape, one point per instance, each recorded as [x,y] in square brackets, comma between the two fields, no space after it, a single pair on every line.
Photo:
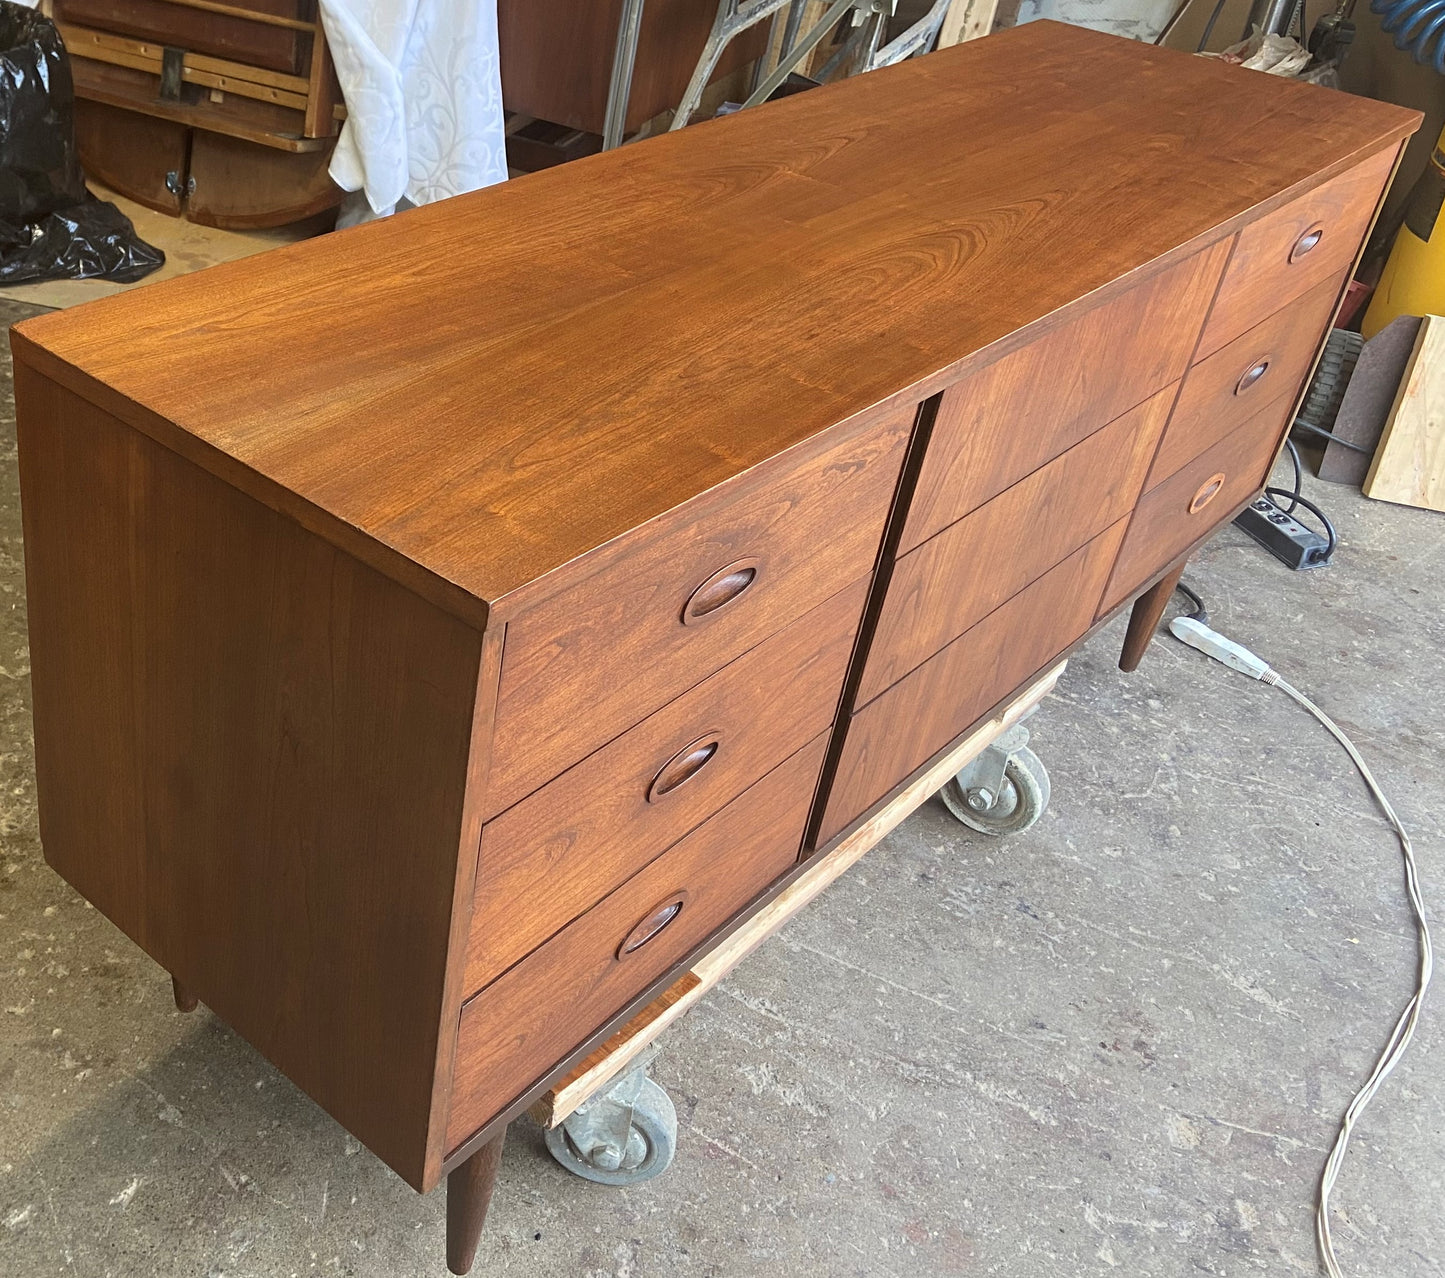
[423,91]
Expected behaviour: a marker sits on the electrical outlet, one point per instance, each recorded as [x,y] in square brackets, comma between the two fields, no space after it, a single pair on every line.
[1283,536]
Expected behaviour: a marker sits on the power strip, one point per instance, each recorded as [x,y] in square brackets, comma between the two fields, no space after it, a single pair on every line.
[1283,536]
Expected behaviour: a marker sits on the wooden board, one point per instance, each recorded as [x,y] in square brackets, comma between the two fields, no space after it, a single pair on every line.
[135,90]
[417,414]
[212,73]
[596,1070]
[221,35]
[1409,465]
[967,20]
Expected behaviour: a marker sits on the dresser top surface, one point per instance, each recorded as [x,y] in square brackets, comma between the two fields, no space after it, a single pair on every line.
[501,382]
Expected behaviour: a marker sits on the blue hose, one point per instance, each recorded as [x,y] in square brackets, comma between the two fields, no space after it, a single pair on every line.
[1415,24]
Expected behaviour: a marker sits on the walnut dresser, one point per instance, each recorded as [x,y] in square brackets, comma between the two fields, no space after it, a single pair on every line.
[444,630]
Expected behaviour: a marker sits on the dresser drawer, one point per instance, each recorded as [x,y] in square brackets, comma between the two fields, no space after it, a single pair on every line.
[533,1015]
[944,586]
[899,731]
[1286,253]
[1229,387]
[1185,507]
[667,606]
[1007,419]
[549,858]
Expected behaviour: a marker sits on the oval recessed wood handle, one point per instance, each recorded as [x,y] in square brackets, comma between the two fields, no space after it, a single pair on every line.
[1208,491]
[684,765]
[653,924]
[1251,375]
[722,588]
[1306,242]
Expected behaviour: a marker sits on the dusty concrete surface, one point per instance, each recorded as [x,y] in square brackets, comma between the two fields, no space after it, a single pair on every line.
[1118,1043]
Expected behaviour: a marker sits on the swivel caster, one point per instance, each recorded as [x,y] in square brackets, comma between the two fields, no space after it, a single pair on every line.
[1003,791]
[621,1136]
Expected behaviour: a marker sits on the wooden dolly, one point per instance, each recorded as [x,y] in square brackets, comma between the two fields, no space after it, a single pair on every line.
[606,1120]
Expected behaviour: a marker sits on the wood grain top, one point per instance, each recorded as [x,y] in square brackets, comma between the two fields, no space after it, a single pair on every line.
[496,384]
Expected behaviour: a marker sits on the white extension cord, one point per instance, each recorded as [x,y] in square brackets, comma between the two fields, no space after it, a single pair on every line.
[1196,634]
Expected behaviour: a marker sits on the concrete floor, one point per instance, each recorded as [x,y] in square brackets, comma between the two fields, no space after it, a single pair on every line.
[1119,1042]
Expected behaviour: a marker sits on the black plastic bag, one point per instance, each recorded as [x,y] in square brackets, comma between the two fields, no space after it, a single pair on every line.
[51,227]
[94,240]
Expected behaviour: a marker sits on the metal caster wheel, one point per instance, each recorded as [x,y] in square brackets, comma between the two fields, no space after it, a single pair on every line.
[1004,791]
[1020,802]
[622,1136]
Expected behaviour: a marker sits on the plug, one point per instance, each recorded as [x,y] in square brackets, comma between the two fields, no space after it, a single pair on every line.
[1213,644]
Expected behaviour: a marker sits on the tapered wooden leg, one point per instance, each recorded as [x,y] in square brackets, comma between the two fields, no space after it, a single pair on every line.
[185,1000]
[469,1194]
[1148,608]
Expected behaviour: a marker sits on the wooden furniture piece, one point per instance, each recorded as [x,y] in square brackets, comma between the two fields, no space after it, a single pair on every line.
[426,713]
[222,113]
[557,57]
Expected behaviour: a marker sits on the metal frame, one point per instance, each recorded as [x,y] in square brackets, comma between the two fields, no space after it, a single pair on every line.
[1273,17]
[736,16]
[624,59]
[918,38]
[729,25]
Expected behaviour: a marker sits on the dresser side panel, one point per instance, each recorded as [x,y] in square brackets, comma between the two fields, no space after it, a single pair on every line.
[251,754]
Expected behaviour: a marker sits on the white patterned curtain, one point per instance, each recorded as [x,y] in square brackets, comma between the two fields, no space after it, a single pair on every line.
[423,95]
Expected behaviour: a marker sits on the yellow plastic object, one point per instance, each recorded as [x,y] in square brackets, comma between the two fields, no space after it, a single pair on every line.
[1414,278]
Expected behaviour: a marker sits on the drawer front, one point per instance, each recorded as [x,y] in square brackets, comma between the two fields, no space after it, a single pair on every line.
[1007,419]
[1286,253]
[1228,388]
[956,578]
[665,608]
[1196,499]
[896,733]
[530,1018]
[560,850]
